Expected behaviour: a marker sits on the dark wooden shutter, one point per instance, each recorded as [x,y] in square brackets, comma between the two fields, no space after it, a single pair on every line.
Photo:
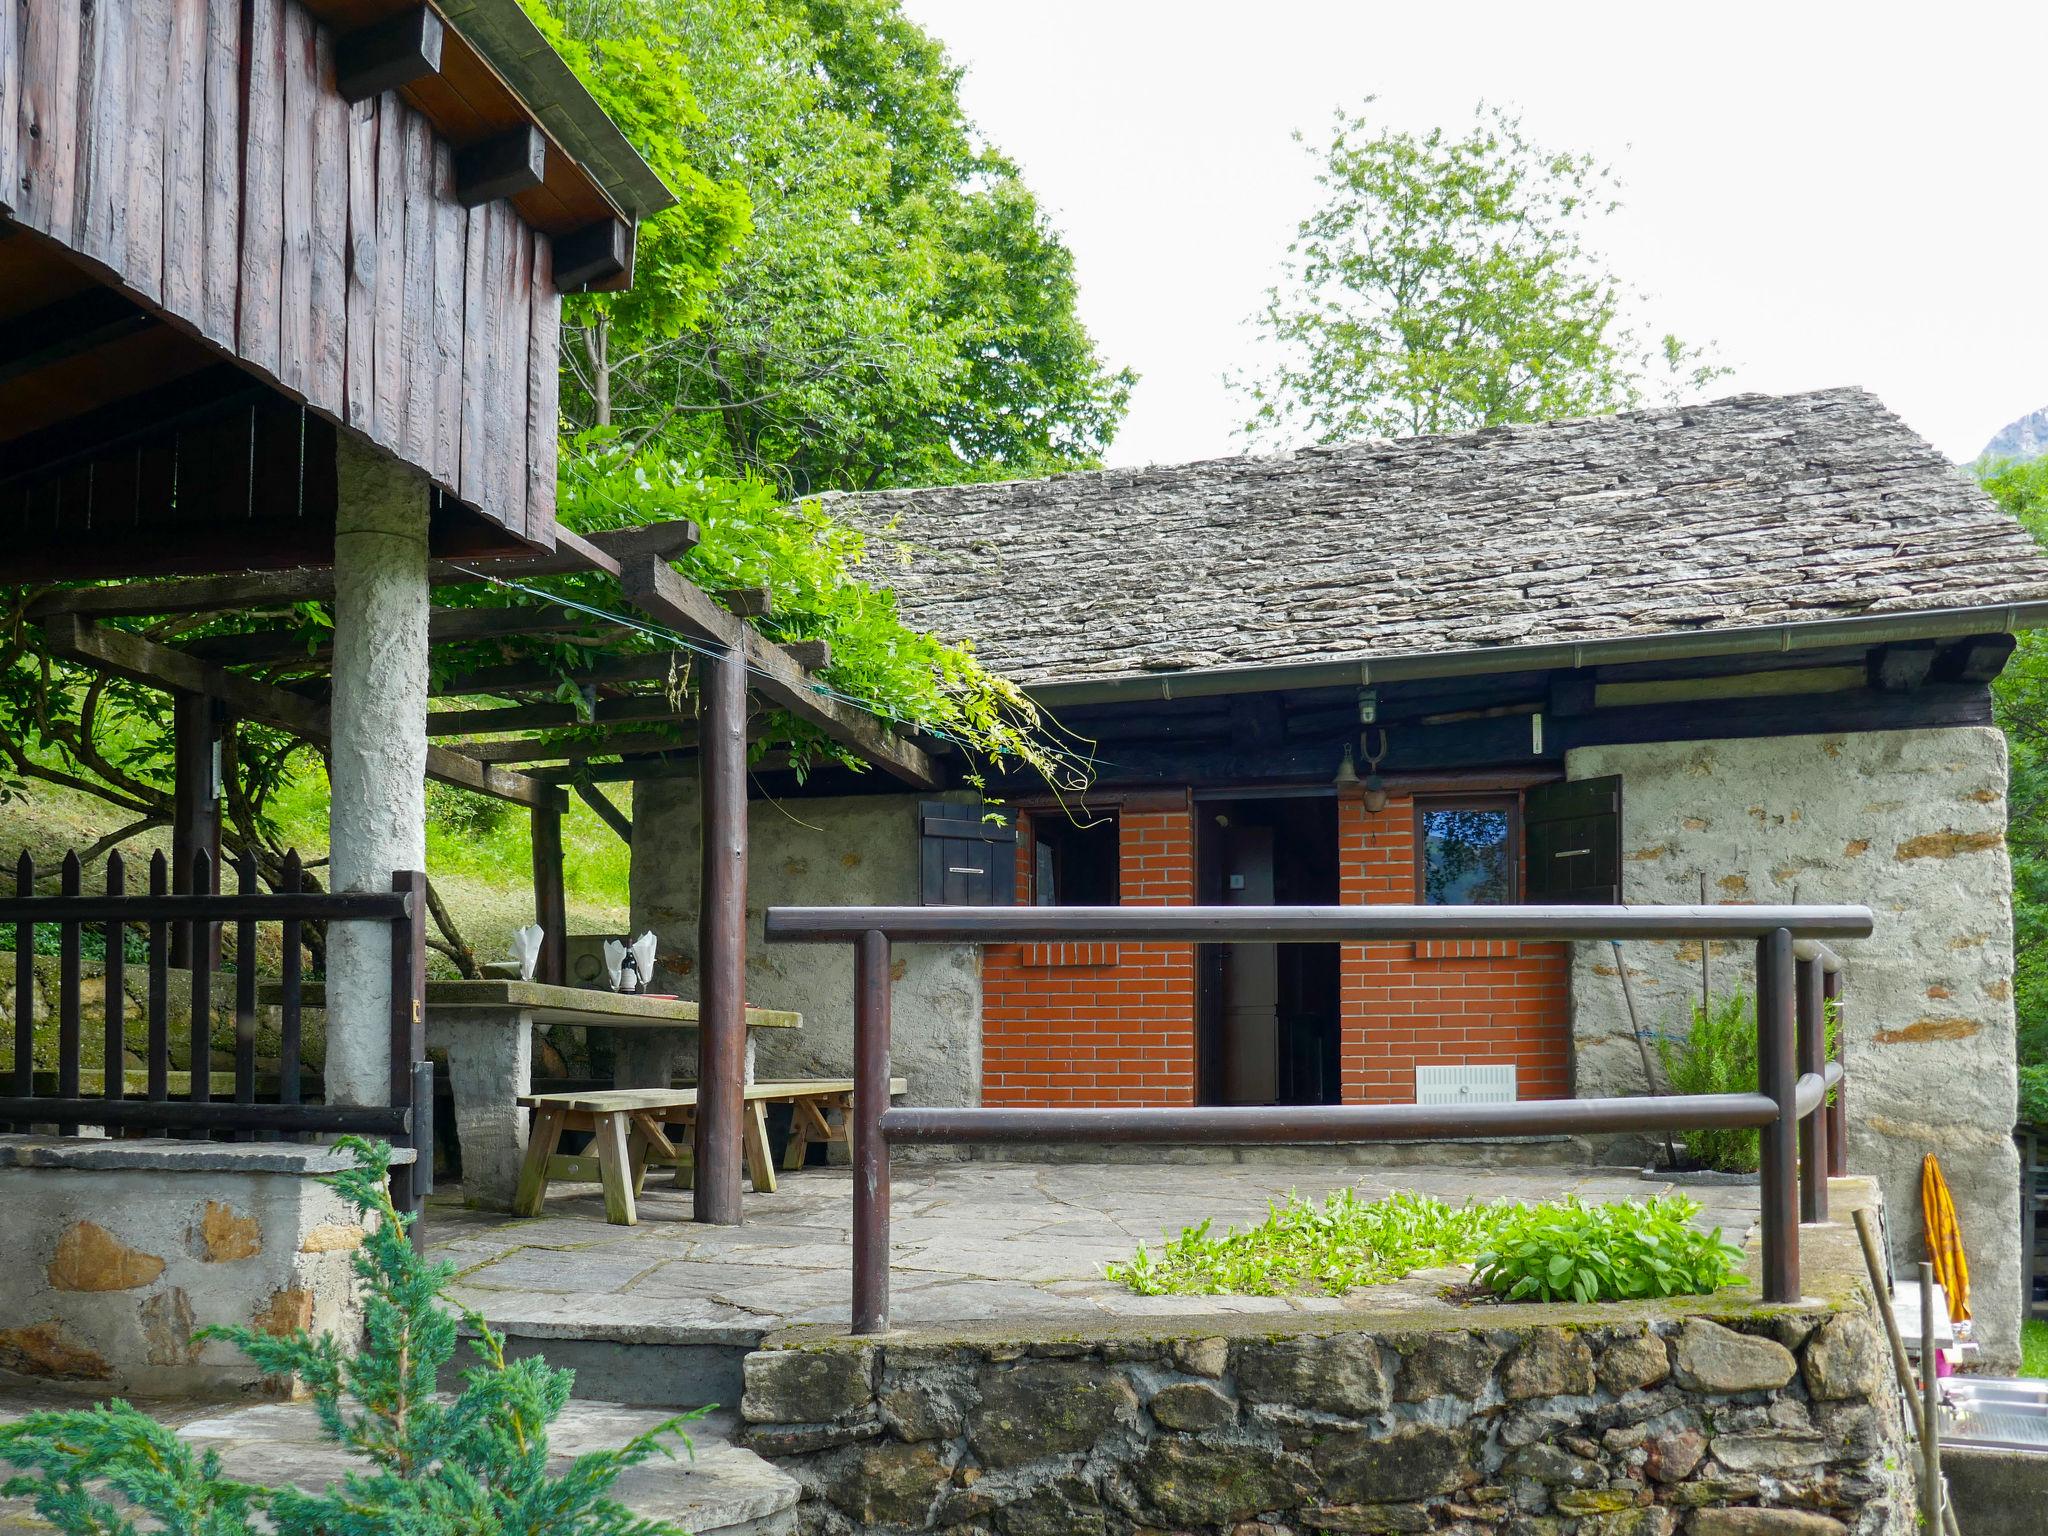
[1574,840]
[964,861]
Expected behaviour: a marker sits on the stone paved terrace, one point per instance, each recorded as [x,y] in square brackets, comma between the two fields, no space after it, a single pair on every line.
[972,1242]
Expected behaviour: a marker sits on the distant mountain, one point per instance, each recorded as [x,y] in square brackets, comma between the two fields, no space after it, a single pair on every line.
[2026,438]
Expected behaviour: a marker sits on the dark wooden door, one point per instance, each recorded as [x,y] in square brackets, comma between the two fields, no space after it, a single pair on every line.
[1250,994]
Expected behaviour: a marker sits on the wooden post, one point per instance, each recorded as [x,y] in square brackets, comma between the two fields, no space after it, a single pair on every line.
[1778,1078]
[196,722]
[410,1182]
[1813,1057]
[550,898]
[1838,1111]
[864,1130]
[722,938]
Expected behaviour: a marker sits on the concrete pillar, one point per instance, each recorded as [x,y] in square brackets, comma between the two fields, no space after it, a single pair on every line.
[376,765]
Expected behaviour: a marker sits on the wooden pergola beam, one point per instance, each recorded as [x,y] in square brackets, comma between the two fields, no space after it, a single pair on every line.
[773,673]
[146,661]
[621,744]
[636,709]
[526,676]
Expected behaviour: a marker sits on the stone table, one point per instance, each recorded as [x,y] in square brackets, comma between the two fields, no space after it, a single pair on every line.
[486,1027]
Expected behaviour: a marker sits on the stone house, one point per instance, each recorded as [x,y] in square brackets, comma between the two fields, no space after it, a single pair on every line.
[1741,648]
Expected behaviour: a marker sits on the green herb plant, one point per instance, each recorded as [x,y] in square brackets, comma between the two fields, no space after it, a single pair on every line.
[1717,1054]
[1624,1250]
[474,1465]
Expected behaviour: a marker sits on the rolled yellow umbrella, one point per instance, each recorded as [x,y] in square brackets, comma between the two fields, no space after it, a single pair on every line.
[1945,1239]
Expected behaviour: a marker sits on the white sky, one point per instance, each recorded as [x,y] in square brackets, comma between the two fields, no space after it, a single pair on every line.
[1834,194]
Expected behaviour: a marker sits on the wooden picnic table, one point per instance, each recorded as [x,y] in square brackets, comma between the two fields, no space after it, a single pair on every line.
[486,1027]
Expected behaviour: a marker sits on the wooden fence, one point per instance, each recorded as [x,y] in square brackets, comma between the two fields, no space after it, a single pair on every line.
[160,1101]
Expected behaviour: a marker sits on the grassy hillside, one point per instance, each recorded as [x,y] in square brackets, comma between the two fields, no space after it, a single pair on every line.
[477,853]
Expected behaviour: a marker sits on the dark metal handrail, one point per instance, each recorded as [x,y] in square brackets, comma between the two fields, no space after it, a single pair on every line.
[1798,981]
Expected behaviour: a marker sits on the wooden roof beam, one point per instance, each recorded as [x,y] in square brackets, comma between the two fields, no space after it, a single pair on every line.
[265,589]
[68,328]
[146,661]
[651,586]
[388,55]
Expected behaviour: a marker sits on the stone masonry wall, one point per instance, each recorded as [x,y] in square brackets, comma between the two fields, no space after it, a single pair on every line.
[119,1250]
[1502,1421]
[856,850]
[1909,823]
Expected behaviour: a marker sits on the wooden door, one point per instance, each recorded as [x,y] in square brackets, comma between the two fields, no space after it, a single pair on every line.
[1249,1013]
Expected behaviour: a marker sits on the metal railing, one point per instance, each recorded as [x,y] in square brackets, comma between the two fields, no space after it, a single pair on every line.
[258,1107]
[1798,983]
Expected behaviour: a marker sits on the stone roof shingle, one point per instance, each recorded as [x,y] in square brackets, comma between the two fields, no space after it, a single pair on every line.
[1748,511]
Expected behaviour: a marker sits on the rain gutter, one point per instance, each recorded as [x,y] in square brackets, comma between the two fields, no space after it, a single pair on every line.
[1807,635]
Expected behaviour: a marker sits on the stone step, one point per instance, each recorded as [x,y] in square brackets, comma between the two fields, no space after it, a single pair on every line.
[642,1365]
[721,1490]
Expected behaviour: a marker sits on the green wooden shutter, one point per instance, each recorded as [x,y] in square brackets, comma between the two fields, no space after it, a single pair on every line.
[964,861]
[1574,841]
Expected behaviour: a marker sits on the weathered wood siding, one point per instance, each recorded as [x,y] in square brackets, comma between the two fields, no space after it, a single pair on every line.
[197,150]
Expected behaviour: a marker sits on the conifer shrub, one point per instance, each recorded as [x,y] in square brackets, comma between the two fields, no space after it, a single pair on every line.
[473,1465]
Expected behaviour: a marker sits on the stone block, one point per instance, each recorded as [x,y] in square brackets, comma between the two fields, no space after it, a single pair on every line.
[1191,1483]
[1845,1359]
[1764,1522]
[1370,1519]
[807,1386]
[1445,1365]
[90,1258]
[1673,1456]
[1771,1453]
[1192,1405]
[1554,1467]
[888,1483]
[1045,1408]
[1201,1357]
[1059,1506]
[1410,1462]
[48,1351]
[1711,1358]
[1340,1374]
[223,1234]
[921,1410]
[1629,1364]
[1550,1362]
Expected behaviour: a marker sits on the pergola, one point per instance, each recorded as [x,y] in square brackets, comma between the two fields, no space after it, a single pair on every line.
[280,285]
[509,748]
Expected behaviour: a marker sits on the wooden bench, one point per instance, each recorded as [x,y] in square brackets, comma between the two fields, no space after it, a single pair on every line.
[631,1126]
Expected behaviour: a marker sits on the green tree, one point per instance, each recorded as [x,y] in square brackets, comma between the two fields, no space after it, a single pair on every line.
[899,310]
[1449,282]
[2020,697]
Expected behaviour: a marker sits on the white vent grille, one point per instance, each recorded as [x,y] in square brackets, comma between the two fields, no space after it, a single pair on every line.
[1465,1085]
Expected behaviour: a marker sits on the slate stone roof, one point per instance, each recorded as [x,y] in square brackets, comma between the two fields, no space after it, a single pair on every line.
[1748,511]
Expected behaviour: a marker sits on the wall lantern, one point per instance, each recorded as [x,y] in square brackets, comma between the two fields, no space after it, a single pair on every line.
[1375,786]
[1368,706]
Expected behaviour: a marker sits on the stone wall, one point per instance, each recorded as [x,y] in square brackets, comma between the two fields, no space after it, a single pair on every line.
[1622,1420]
[119,1250]
[1909,823]
[846,851]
